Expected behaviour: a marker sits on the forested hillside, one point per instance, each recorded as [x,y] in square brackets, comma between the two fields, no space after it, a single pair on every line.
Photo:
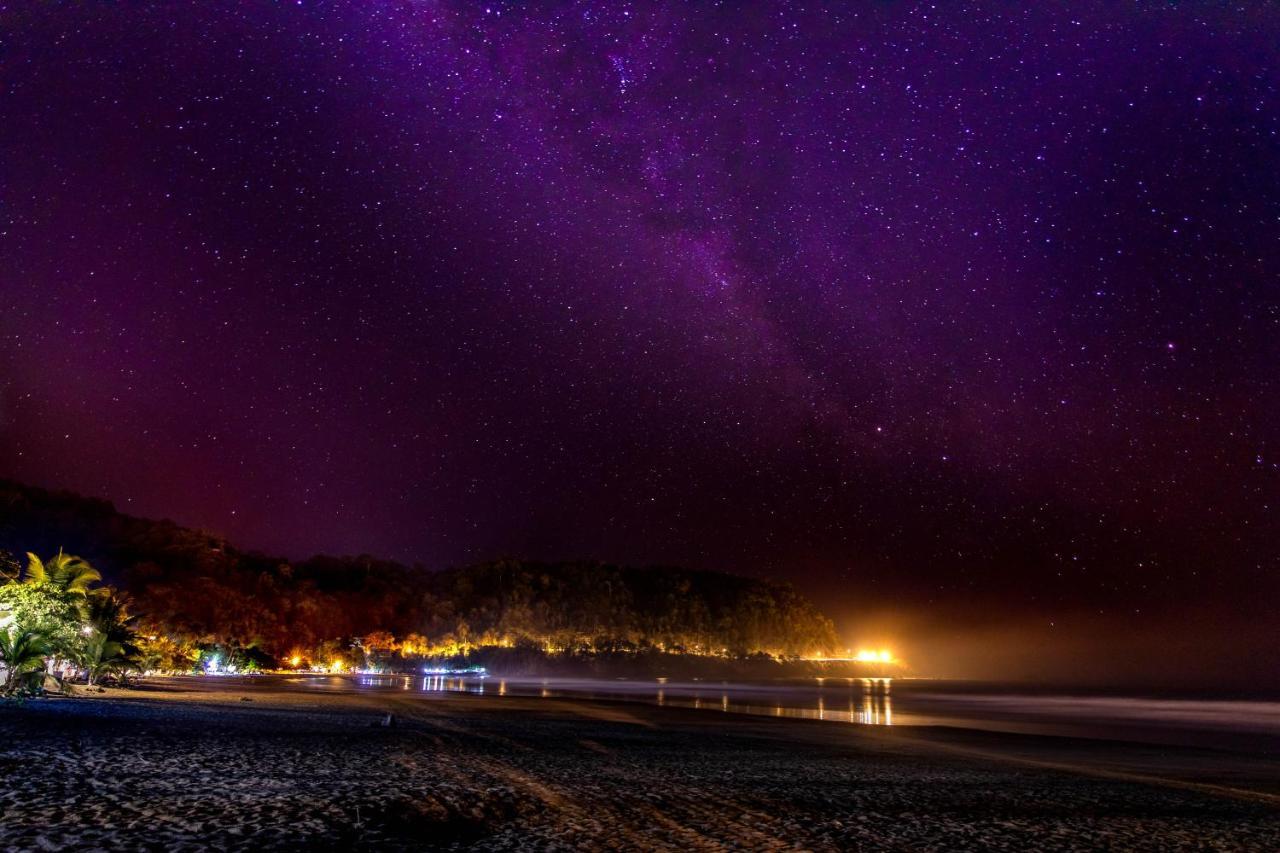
[200,590]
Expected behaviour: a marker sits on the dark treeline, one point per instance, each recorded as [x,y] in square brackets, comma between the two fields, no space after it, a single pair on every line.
[198,588]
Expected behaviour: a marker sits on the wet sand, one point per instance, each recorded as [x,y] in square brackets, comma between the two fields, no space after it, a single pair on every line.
[230,764]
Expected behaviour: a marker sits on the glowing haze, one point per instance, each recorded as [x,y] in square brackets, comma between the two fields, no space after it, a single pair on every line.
[963,320]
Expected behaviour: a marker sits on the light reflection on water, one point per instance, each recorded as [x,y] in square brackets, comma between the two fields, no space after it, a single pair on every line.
[863,701]
[1249,723]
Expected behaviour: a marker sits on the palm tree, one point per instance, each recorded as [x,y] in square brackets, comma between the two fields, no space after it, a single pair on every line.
[65,572]
[107,611]
[23,652]
[99,655]
[109,642]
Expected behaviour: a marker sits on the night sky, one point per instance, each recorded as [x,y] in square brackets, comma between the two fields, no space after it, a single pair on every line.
[966,321]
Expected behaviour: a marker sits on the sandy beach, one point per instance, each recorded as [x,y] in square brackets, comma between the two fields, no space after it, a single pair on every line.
[187,764]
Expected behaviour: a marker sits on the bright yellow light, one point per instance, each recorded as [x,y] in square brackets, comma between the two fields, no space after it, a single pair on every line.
[295,661]
[336,666]
[873,656]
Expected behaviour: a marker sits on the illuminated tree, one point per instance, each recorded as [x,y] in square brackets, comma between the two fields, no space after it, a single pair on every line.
[63,572]
[53,613]
[97,656]
[162,652]
[23,652]
[108,641]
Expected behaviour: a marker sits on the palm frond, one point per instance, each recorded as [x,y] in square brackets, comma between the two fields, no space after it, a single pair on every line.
[36,571]
[65,571]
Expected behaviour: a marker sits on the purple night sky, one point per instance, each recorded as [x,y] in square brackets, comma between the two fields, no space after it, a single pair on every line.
[965,321]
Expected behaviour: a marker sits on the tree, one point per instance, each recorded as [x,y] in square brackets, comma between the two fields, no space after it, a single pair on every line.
[97,655]
[44,609]
[23,652]
[57,601]
[10,569]
[64,572]
[161,652]
[108,641]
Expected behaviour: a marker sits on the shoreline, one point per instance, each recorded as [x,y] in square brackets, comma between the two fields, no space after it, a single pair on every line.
[272,765]
[1242,727]
[1200,767]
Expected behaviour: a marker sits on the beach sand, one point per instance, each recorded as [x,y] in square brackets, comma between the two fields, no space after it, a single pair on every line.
[185,764]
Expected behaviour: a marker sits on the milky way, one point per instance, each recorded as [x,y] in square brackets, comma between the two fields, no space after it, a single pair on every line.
[950,311]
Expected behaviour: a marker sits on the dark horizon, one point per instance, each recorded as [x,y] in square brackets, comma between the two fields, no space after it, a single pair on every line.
[965,323]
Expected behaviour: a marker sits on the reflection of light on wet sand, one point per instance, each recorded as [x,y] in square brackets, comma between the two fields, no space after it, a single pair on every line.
[872,705]
[869,699]
[1244,725]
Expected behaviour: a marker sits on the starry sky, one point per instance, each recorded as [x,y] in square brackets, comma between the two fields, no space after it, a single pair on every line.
[964,319]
